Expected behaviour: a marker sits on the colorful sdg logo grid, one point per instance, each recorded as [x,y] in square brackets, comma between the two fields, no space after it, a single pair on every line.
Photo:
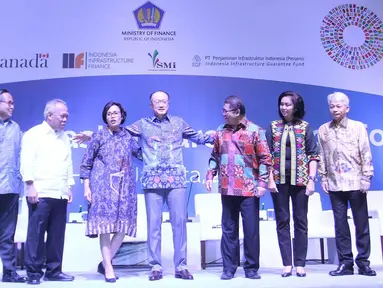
[351,16]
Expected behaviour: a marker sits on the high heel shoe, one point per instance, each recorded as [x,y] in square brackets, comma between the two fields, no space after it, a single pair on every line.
[110,280]
[287,274]
[101,270]
[301,274]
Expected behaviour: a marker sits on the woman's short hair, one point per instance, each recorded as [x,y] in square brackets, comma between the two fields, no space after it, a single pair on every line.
[299,104]
[236,103]
[107,107]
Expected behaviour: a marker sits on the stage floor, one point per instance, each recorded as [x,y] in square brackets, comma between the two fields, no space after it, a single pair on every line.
[317,276]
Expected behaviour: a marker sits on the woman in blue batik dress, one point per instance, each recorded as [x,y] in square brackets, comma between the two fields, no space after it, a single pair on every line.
[109,186]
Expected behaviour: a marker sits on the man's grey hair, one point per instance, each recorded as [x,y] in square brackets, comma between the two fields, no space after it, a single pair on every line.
[51,105]
[338,96]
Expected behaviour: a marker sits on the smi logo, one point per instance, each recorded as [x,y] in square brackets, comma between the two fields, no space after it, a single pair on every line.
[161,65]
[39,61]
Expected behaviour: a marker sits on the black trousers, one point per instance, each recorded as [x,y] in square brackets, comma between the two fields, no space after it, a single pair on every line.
[249,209]
[9,208]
[47,216]
[299,201]
[358,203]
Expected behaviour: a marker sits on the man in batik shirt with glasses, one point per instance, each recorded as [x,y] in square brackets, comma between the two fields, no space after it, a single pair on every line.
[241,159]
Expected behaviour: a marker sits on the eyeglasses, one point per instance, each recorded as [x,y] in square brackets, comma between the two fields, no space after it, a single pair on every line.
[224,111]
[9,103]
[160,101]
[115,113]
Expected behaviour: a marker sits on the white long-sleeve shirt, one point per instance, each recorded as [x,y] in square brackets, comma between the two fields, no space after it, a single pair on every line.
[46,159]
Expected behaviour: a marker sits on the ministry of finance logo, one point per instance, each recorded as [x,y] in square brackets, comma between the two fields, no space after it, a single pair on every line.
[159,65]
[148,18]
[352,36]
[93,60]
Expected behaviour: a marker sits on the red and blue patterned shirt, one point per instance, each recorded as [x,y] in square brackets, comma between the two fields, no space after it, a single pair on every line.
[241,159]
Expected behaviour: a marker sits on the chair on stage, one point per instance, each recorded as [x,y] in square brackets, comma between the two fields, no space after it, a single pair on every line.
[320,223]
[375,209]
[208,212]
[21,231]
[141,234]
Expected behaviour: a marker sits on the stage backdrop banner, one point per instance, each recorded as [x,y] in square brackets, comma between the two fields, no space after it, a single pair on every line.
[90,52]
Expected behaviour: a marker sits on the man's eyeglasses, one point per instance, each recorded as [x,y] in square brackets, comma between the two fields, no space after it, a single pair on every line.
[224,111]
[160,101]
[115,113]
[10,103]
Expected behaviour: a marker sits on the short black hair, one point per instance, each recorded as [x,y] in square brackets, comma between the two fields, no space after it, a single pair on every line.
[2,91]
[151,95]
[299,105]
[235,103]
[107,107]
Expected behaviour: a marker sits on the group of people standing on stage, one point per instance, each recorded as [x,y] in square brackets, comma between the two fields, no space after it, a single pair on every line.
[247,159]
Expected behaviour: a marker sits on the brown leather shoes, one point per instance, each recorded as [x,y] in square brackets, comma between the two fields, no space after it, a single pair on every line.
[155,275]
[184,274]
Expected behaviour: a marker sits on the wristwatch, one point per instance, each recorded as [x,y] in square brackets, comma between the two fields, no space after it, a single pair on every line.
[312,178]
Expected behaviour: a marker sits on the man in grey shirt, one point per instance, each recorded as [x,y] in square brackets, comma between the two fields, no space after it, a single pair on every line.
[10,180]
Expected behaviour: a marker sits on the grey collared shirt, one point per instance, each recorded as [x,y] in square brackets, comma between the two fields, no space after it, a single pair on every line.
[10,146]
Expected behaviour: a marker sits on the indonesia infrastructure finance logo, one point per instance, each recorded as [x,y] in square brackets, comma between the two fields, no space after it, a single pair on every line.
[352,35]
[95,60]
[158,65]
[71,60]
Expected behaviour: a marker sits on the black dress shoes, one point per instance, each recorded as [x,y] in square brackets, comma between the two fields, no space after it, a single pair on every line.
[60,277]
[227,275]
[252,275]
[155,275]
[33,281]
[184,274]
[13,277]
[342,270]
[366,271]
